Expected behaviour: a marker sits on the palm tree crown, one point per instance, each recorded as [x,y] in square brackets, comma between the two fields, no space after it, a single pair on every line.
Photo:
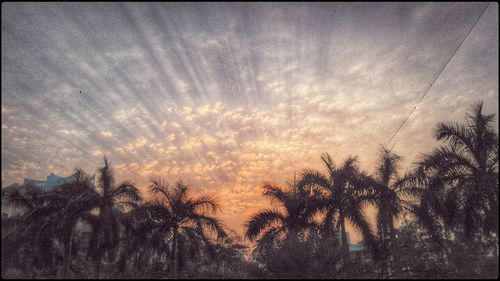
[294,212]
[109,199]
[459,180]
[183,216]
[342,194]
[387,188]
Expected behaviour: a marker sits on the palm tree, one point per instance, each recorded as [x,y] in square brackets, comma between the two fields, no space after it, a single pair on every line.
[459,181]
[69,217]
[342,194]
[141,242]
[294,213]
[33,231]
[227,257]
[106,198]
[48,219]
[386,185]
[182,217]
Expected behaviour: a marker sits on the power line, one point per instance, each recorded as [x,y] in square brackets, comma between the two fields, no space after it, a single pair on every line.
[442,69]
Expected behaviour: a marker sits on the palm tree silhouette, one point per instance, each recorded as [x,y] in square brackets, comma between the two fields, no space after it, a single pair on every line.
[458,181]
[294,213]
[32,231]
[49,218]
[183,216]
[142,241]
[67,221]
[106,198]
[342,194]
[386,186]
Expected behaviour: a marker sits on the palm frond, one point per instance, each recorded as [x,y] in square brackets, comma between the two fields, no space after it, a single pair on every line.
[428,221]
[328,161]
[17,199]
[160,189]
[387,165]
[314,179]
[106,179]
[359,221]
[85,201]
[454,133]
[329,224]
[157,212]
[127,190]
[205,204]
[267,238]
[211,224]
[350,163]
[181,191]
[443,158]
[275,193]
[264,219]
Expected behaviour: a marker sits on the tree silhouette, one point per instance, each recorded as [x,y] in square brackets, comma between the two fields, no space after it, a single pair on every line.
[182,216]
[459,181]
[294,212]
[386,186]
[342,195]
[48,219]
[33,230]
[106,198]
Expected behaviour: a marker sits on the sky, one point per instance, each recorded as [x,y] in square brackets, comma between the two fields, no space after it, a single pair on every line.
[226,96]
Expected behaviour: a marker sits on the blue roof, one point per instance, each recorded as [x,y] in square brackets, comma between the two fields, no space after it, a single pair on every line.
[356,247]
[53,181]
[35,183]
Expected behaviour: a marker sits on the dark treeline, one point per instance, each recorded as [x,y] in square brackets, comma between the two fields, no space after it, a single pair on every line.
[447,203]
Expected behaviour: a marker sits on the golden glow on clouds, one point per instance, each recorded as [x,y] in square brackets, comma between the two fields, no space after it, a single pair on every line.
[106,134]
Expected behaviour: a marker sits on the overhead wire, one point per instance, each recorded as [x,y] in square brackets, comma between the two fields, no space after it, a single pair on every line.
[435,79]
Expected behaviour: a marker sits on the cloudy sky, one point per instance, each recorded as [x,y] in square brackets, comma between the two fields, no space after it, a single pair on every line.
[226,96]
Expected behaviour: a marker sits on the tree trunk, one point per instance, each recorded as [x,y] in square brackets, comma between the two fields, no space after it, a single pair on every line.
[345,245]
[383,239]
[68,258]
[99,254]
[392,247]
[174,249]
